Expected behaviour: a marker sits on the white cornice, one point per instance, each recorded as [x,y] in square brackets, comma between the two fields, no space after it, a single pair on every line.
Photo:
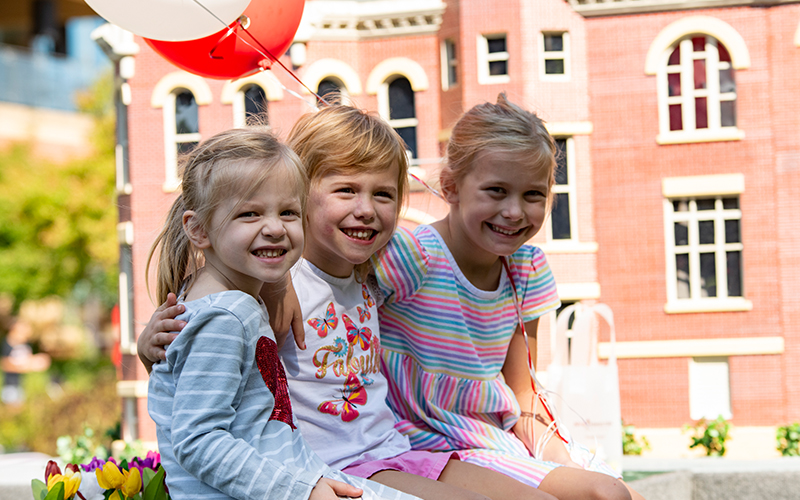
[593,8]
[358,20]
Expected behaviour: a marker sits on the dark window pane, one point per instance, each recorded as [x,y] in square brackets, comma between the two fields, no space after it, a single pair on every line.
[498,67]
[452,74]
[401,100]
[553,43]
[708,275]
[726,83]
[675,57]
[562,176]
[560,217]
[700,113]
[680,206]
[706,228]
[409,136]
[497,44]
[682,275]
[734,274]
[554,66]
[674,83]
[675,117]
[724,56]
[327,86]
[184,147]
[699,73]
[681,234]
[706,204]
[255,101]
[699,43]
[732,231]
[727,111]
[451,50]
[186,114]
[730,203]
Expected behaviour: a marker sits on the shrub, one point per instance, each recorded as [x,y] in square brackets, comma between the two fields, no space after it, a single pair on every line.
[788,437]
[710,434]
[631,445]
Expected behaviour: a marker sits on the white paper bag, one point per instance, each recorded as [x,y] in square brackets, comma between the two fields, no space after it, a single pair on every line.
[586,396]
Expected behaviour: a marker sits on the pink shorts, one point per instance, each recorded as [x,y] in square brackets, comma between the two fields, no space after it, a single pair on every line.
[420,463]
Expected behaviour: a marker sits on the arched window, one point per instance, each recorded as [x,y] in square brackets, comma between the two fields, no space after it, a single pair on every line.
[701,90]
[250,100]
[402,112]
[694,59]
[330,85]
[181,131]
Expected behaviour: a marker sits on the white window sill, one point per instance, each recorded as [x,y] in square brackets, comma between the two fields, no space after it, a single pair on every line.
[556,247]
[708,305]
[694,136]
[544,77]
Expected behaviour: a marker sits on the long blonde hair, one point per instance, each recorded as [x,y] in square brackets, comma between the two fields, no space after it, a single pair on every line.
[501,127]
[232,163]
[345,140]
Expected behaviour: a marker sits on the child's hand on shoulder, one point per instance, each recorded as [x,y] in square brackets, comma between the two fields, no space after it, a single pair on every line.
[328,489]
[159,332]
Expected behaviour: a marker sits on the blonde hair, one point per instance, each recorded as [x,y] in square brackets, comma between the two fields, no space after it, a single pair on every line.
[232,163]
[341,139]
[501,127]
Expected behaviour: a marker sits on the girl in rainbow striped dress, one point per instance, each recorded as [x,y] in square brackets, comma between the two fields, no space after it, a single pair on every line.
[453,350]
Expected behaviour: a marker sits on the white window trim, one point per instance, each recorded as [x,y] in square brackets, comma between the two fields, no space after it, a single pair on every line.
[571,189]
[564,54]
[699,385]
[689,134]
[171,139]
[326,68]
[233,94]
[484,58]
[701,187]
[383,108]
[239,108]
[447,63]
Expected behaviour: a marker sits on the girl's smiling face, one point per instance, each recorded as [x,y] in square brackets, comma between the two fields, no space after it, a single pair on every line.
[350,217]
[499,204]
[258,239]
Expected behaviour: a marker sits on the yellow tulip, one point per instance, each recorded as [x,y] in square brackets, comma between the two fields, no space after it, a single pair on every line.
[116,496]
[110,477]
[71,480]
[133,483]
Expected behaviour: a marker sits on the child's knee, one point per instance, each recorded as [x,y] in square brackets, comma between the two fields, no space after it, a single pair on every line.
[610,489]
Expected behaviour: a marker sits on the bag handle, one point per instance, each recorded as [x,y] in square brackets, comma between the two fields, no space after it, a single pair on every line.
[586,321]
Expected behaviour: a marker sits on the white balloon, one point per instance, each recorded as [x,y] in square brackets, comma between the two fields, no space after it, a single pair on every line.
[170,20]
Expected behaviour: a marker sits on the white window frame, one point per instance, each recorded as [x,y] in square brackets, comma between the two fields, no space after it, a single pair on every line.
[171,139]
[570,189]
[484,58]
[383,108]
[709,388]
[238,105]
[690,133]
[692,189]
[449,60]
[563,54]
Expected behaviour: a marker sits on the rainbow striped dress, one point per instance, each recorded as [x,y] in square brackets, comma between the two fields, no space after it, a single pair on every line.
[444,344]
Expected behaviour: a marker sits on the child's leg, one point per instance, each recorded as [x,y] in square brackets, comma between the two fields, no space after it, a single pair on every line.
[424,488]
[568,483]
[493,484]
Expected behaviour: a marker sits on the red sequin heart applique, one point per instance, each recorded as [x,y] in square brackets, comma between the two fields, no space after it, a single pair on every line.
[275,377]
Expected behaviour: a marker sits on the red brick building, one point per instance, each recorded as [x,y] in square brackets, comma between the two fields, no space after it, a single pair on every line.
[676,199]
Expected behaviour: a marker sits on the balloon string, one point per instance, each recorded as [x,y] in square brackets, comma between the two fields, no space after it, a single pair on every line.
[264,52]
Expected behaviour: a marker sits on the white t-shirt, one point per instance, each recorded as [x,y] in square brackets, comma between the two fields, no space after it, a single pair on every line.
[337,390]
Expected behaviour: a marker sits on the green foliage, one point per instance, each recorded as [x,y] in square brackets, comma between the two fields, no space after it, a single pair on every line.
[58,221]
[51,411]
[154,488]
[39,489]
[80,449]
[631,445]
[710,434]
[57,493]
[788,438]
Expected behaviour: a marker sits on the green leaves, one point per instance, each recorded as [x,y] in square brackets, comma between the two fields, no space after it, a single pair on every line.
[154,488]
[710,434]
[39,489]
[57,493]
[788,440]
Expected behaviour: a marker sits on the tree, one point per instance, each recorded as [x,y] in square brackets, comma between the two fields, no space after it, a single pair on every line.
[57,221]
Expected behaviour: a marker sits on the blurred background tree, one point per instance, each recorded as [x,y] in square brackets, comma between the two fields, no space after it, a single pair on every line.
[58,275]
